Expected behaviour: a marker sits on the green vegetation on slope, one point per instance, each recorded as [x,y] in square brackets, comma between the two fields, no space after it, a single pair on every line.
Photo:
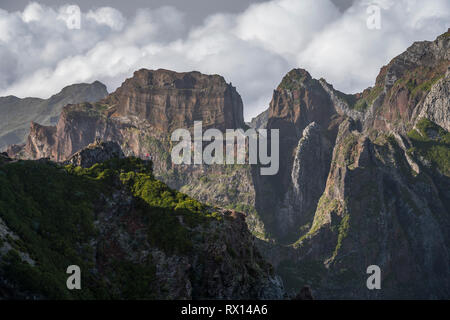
[52,213]
[360,102]
[432,143]
[52,209]
[293,79]
[368,98]
[418,81]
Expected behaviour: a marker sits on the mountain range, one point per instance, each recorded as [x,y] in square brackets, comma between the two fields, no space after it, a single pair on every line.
[364,180]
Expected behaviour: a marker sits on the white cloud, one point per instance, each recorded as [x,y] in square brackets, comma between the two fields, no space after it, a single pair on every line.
[349,55]
[39,55]
[285,26]
[107,16]
[33,12]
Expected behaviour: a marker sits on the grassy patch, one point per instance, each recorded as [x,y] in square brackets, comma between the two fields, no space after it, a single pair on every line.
[360,102]
[52,212]
[343,232]
[291,81]
[324,208]
[424,86]
[431,142]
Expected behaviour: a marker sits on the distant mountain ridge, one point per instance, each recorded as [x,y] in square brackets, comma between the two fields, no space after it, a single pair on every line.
[260,121]
[16,114]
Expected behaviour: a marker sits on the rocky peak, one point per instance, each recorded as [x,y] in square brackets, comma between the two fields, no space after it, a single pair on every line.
[260,121]
[299,100]
[294,79]
[16,114]
[170,100]
[90,92]
[40,141]
[347,169]
[167,79]
[96,152]
[423,54]
[402,85]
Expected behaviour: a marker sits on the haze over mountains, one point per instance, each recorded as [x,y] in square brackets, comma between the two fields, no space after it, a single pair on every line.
[364,178]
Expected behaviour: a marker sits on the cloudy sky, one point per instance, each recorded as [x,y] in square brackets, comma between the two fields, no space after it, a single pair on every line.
[252,43]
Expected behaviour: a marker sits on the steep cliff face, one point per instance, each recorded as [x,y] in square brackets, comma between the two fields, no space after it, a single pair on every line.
[386,199]
[436,104]
[131,235]
[298,101]
[16,114]
[169,100]
[304,113]
[39,141]
[379,207]
[308,176]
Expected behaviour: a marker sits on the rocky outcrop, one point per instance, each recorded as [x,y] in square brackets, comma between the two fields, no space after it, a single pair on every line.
[170,100]
[436,105]
[96,152]
[16,114]
[39,142]
[406,81]
[309,173]
[260,121]
[298,101]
